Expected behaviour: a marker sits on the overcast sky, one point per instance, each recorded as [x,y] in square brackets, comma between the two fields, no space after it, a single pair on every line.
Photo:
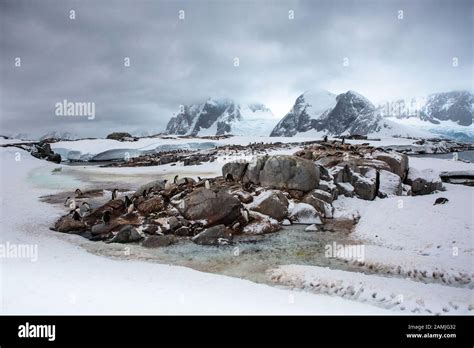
[174,61]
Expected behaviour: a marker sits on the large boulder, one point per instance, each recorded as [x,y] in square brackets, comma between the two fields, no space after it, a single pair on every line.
[252,174]
[157,241]
[342,172]
[235,169]
[397,162]
[321,201]
[345,188]
[152,205]
[289,172]
[390,184]
[365,183]
[156,184]
[423,182]
[127,234]
[216,235]
[261,224]
[329,187]
[271,203]
[68,224]
[303,213]
[214,207]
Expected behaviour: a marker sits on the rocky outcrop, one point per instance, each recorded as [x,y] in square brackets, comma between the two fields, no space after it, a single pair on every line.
[260,224]
[236,170]
[321,201]
[390,184]
[151,205]
[216,235]
[290,173]
[43,151]
[397,162]
[213,207]
[121,136]
[303,213]
[127,234]
[423,182]
[159,241]
[271,203]
[365,183]
[252,174]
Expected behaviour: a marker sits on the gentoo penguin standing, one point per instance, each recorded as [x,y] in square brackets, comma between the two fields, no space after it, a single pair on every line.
[71,203]
[207,184]
[78,193]
[76,215]
[130,208]
[114,194]
[175,180]
[106,217]
[85,208]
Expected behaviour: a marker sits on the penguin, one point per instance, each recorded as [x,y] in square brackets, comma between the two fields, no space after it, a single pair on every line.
[168,186]
[71,203]
[325,139]
[106,217]
[199,178]
[78,193]
[76,215]
[130,208]
[175,180]
[441,200]
[114,194]
[207,184]
[85,208]
[127,201]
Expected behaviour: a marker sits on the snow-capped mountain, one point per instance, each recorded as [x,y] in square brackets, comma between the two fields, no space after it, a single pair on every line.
[222,116]
[348,113]
[449,114]
[303,116]
[455,106]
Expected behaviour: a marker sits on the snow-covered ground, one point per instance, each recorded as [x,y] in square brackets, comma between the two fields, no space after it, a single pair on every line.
[65,279]
[430,247]
[412,248]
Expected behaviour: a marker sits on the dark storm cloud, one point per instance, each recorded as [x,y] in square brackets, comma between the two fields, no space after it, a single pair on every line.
[183,61]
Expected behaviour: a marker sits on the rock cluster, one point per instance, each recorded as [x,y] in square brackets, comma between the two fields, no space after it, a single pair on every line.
[43,150]
[251,197]
[121,136]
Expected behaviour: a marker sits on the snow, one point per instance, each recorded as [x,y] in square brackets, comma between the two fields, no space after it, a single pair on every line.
[303,213]
[387,293]
[427,249]
[318,102]
[67,280]
[447,128]
[439,165]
